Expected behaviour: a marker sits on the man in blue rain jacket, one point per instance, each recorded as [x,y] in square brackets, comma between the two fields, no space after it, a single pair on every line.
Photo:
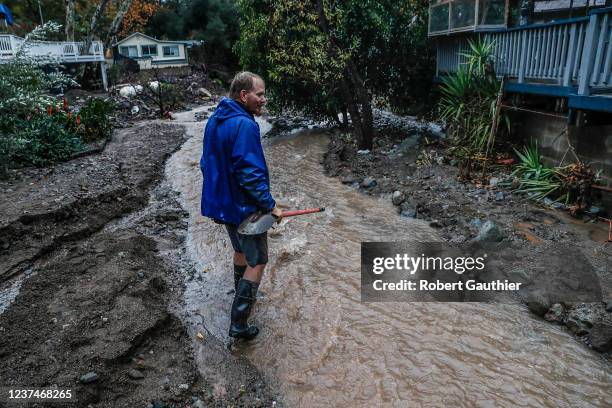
[236,185]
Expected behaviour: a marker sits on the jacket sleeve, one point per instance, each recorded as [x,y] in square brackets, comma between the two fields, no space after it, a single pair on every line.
[250,167]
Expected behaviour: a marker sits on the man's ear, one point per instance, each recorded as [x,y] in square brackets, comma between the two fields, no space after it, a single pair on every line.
[243,94]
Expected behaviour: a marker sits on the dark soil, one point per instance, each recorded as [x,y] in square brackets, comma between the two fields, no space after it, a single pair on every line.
[408,165]
[97,243]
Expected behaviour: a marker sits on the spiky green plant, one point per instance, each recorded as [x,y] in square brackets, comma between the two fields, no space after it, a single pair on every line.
[537,180]
[469,99]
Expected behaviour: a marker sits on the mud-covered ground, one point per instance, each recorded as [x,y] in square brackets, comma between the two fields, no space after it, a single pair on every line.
[408,165]
[92,252]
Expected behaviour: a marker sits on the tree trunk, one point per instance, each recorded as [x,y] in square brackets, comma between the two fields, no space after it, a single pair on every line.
[94,24]
[116,24]
[345,120]
[365,104]
[353,110]
[353,90]
[69,28]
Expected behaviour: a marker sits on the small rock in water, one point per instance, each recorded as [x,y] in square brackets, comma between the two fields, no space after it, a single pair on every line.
[183,386]
[363,152]
[368,182]
[89,377]
[499,196]
[198,404]
[494,181]
[594,210]
[408,213]
[347,180]
[547,201]
[476,222]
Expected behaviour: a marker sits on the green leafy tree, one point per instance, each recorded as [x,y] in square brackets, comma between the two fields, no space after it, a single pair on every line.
[333,56]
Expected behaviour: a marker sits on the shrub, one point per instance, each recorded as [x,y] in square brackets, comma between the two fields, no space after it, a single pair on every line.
[44,139]
[33,130]
[95,122]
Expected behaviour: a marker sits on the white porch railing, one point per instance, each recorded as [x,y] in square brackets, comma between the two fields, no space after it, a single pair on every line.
[64,51]
[574,53]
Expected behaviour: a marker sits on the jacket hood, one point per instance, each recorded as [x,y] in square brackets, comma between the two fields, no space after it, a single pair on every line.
[229,108]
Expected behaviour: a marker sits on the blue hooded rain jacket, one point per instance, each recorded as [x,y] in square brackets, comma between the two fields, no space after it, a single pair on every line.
[236,179]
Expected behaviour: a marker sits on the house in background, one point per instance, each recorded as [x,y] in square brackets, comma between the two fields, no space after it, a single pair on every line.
[556,57]
[150,52]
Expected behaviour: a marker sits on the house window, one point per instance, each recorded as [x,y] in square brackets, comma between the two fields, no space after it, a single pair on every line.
[171,51]
[129,51]
[148,50]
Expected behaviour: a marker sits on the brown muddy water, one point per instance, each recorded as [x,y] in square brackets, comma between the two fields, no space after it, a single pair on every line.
[323,347]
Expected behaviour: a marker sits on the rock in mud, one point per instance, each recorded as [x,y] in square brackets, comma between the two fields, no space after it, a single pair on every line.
[135,374]
[489,232]
[601,336]
[398,197]
[89,378]
[347,180]
[368,182]
[556,313]
[538,304]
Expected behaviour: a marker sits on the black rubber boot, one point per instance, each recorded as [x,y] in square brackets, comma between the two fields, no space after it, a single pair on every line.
[238,274]
[246,292]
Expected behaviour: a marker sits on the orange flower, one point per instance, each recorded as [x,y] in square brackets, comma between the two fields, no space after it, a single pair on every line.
[49,110]
[65,101]
[78,120]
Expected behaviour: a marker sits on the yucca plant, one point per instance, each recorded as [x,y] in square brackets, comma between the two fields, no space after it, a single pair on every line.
[537,180]
[469,99]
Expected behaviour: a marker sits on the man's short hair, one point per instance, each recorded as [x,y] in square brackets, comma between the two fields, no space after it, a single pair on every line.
[242,81]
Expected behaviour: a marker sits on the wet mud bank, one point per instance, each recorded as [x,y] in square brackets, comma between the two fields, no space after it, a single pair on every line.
[92,271]
[407,166]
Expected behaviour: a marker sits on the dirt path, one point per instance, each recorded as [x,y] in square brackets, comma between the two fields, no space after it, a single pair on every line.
[91,270]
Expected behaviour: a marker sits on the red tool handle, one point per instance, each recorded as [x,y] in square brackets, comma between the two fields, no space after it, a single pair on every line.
[301,212]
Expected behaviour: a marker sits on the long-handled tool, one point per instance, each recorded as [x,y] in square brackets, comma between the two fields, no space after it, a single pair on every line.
[259,223]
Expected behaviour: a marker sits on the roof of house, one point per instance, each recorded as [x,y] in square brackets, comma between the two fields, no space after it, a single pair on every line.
[152,39]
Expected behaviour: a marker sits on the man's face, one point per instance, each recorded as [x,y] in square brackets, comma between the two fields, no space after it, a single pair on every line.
[255,99]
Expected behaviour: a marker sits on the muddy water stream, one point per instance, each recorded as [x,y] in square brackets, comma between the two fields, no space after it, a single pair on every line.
[325,348]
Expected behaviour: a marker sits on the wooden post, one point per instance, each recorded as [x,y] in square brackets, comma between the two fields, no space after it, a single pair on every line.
[588,55]
[104,78]
[523,59]
[507,13]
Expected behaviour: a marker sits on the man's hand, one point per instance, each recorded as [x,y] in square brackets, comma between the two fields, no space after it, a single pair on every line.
[277,213]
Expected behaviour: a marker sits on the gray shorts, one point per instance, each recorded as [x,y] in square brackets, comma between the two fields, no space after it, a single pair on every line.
[254,247]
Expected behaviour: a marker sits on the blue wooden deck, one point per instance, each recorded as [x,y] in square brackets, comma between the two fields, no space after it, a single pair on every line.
[568,58]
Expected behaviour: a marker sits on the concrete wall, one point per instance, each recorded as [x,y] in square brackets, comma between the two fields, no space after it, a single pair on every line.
[593,144]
